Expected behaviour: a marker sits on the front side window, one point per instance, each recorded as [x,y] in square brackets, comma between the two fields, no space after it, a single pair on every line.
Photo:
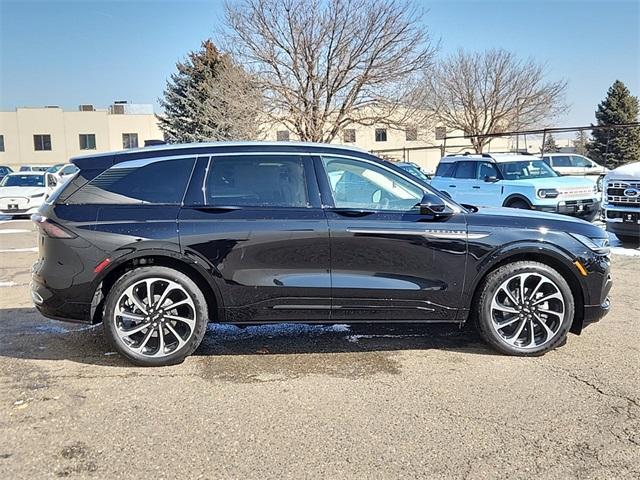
[466,170]
[87,141]
[41,142]
[362,185]
[487,170]
[257,181]
[580,162]
[129,140]
[139,182]
[381,134]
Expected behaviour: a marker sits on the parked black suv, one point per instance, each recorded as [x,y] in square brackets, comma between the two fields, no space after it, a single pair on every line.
[156,242]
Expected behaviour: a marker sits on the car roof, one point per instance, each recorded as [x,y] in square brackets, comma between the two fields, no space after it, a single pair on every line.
[488,157]
[108,159]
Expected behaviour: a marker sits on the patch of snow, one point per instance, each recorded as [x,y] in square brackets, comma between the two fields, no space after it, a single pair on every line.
[14,230]
[18,250]
[231,332]
[8,284]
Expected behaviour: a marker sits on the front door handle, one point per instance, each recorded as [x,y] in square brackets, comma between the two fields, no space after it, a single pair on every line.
[452,186]
[351,212]
[476,187]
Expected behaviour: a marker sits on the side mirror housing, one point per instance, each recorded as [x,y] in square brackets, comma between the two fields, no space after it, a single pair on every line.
[433,205]
[490,179]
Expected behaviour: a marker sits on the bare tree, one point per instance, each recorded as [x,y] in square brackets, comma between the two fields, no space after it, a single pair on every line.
[325,64]
[492,92]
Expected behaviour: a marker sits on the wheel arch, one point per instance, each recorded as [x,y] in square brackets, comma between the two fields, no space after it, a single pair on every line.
[516,196]
[200,272]
[554,259]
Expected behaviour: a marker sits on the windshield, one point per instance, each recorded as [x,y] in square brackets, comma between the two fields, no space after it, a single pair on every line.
[23,181]
[526,169]
[414,171]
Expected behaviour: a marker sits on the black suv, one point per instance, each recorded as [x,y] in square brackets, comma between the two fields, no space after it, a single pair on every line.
[156,242]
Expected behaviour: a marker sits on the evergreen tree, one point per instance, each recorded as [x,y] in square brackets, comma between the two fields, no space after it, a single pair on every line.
[580,143]
[613,147]
[550,145]
[209,98]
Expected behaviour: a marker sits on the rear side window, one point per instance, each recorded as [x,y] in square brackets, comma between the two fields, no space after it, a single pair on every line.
[445,169]
[138,182]
[562,161]
[257,181]
[466,170]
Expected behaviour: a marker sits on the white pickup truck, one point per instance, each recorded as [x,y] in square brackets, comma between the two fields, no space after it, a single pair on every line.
[621,202]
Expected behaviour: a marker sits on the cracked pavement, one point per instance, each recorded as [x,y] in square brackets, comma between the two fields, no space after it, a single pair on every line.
[316,401]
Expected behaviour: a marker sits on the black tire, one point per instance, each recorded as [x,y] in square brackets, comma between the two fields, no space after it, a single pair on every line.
[483,307]
[629,240]
[139,274]
[591,217]
[519,204]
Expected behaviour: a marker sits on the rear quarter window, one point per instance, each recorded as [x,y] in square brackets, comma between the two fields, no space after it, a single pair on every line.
[138,182]
[445,169]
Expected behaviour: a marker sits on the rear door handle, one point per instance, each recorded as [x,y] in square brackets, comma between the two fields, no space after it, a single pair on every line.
[475,186]
[452,186]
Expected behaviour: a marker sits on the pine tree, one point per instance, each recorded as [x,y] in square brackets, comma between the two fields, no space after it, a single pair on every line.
[209,98]
[550,145]
[580,143]
[613,147]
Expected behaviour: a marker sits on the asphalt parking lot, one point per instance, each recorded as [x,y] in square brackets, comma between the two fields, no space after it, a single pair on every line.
[315,402]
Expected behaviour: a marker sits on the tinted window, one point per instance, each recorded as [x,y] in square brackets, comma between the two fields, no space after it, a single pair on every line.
[466,170]
[445,169]
[23,181]
[363,185]
[487,170]
[139,181]
[257,181]
[580,162]
[561,161]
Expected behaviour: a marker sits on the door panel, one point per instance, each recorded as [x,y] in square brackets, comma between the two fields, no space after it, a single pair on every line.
[271,261]
[390,263]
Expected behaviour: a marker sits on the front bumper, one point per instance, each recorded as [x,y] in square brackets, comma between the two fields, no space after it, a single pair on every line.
[576,208]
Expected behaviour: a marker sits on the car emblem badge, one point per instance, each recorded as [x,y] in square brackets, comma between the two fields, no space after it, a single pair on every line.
[632,192]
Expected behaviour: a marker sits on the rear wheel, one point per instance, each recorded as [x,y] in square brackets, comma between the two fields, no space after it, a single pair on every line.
[155,316]
[525,308]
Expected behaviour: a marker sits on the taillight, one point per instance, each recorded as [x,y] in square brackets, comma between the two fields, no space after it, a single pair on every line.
[49,228]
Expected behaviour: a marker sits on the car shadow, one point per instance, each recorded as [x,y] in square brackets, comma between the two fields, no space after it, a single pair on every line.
[25,334]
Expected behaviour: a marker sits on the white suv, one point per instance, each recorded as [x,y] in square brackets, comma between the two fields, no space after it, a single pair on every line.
[572,164]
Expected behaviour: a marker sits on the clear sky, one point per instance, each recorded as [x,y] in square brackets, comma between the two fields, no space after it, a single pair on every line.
[71,52]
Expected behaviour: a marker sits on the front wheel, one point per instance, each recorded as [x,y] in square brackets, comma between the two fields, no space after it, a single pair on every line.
[519,204]
[525,308]
[155,316]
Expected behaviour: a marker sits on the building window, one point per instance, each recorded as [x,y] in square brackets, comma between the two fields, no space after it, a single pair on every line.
[42,142]
[411,134]
[381,134]
[1,143]
[441,132]
[87,141]
[129,140]
[282,135]
[349,135]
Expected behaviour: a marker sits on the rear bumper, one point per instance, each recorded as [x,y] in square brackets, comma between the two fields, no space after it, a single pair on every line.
[53,305]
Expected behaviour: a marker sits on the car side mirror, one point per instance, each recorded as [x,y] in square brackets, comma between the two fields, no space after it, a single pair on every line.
[433,205]
[51,180]
[490,179]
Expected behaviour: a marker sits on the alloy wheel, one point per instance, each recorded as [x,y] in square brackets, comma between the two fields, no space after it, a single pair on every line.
[155,317]
[527,310]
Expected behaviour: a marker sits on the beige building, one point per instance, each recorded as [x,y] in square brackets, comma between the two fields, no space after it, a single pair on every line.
[51,135]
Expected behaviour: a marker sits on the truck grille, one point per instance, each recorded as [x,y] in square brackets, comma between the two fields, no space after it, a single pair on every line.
[616,193]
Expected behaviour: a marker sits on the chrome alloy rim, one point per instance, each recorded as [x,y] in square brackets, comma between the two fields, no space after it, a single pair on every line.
[155,317]
[527,310]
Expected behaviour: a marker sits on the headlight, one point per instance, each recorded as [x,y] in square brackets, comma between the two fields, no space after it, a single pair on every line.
[598,245]
[36,195]
[548,193]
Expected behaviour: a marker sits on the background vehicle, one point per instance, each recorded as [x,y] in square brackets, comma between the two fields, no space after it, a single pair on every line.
[518,181]
[414,170]
[4,171]
[34,168]
[573,164]
[64,171]
[621,202]
[21,193]
[156,242]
